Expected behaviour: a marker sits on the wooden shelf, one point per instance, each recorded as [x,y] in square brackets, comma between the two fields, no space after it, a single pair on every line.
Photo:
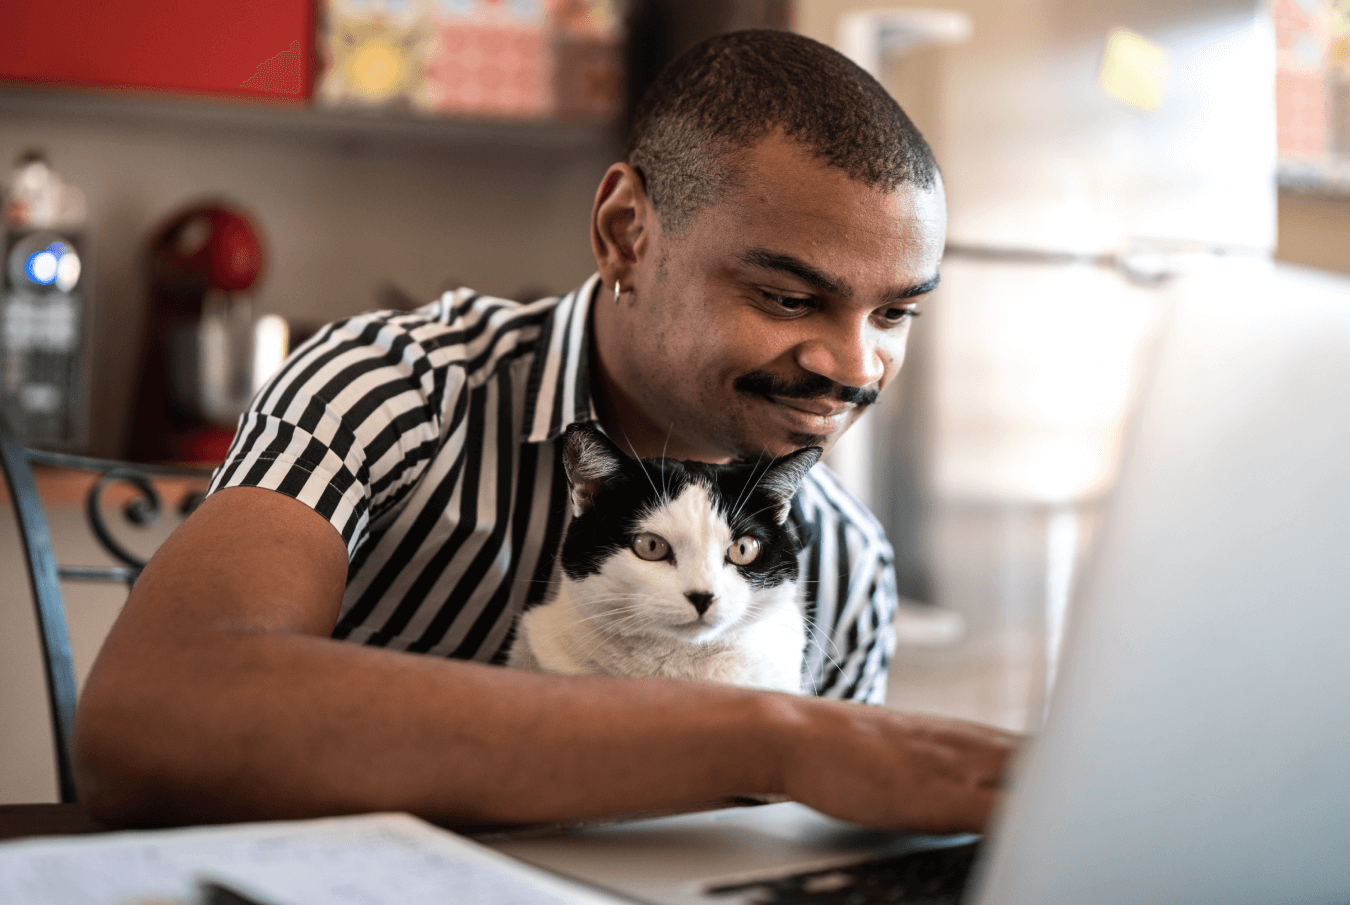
[291,122]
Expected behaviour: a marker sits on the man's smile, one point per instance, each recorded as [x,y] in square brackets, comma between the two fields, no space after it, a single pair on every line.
[817,418]
[819,407]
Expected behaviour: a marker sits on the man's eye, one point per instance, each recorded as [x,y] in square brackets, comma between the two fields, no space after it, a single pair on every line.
[896,314]
[790,303]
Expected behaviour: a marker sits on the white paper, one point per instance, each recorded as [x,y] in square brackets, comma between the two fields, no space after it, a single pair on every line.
[374,859]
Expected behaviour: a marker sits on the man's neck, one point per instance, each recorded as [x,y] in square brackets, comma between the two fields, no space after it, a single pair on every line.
[621,415]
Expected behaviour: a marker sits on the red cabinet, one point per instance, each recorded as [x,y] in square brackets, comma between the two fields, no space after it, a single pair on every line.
[242,48]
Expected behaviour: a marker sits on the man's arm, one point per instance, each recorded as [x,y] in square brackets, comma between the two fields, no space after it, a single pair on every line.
[219,696]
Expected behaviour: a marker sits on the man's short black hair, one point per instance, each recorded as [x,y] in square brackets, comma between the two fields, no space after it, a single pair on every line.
[719,98]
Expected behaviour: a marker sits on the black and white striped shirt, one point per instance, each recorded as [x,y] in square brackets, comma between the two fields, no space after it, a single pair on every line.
[429,439]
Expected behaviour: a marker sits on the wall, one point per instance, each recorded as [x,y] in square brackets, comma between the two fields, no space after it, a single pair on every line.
[341,211]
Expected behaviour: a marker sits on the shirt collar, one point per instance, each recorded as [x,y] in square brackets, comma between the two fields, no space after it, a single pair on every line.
[559,390]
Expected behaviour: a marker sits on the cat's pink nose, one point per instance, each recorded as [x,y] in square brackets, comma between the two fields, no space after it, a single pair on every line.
[700,599]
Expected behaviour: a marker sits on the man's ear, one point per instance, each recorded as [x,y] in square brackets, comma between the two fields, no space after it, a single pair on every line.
[589,459]
[620,224]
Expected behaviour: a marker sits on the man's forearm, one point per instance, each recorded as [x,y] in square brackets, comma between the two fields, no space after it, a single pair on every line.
[279,725]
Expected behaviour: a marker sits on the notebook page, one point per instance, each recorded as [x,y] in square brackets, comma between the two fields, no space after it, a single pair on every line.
[374,859]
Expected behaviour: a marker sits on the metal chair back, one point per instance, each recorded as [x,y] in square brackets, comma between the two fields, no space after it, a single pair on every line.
[45,575]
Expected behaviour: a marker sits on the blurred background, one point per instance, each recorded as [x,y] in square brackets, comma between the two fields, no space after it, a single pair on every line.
[193,188]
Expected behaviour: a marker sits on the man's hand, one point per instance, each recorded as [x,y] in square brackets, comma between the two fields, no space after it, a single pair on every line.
[891,770]
[219,695]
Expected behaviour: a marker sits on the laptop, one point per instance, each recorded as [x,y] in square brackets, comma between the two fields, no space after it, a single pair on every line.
[1197,747]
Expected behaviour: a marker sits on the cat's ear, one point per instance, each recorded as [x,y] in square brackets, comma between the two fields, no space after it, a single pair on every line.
[785,475]
[590,459]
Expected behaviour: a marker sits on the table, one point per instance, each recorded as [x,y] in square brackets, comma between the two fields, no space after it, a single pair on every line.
[21,820]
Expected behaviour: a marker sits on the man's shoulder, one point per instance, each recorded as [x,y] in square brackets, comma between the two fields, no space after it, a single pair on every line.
[459,313]
[464,307]
[826,506]
[461,327]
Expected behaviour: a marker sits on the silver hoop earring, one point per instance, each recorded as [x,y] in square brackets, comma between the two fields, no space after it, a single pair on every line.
[617,292]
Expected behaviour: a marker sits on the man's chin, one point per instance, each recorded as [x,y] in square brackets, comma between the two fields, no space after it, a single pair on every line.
[802,441]
[783,445]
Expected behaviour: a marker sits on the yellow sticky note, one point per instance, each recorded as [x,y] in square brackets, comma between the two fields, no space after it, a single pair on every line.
[1134,69]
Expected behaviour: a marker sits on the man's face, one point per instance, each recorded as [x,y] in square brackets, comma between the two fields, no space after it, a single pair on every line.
[779,314]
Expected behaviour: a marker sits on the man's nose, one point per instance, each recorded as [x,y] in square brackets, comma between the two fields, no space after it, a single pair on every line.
[854,355]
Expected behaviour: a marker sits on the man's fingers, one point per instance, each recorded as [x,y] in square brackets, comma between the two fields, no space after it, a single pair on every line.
[902,772]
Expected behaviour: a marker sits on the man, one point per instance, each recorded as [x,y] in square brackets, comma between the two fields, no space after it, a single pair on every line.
[760,256]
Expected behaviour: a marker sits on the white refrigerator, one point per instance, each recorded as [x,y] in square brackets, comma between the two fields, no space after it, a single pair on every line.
[1101,161]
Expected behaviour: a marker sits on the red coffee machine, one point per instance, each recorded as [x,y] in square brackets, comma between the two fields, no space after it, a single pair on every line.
[202,264]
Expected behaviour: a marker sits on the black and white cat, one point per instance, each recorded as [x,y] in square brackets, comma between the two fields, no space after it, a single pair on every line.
[676,569]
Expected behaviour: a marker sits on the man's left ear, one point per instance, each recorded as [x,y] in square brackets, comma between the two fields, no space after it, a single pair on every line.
[620,224]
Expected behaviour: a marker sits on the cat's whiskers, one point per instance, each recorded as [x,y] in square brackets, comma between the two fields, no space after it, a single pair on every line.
[604,625]
[599,635]
[768,508]
[613,602]
[640,463]
[594,638]
[744,495]
[665,490]
[616,595]
[814,633]
[640,607]
[613,615]
[631,608]
[543,581]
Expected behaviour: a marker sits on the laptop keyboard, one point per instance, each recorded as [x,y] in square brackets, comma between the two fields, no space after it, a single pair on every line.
[932,877]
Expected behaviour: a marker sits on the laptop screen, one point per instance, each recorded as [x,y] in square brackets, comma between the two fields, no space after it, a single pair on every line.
[1198,746]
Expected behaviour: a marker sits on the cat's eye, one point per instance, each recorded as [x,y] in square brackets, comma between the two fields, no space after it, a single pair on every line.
[651,547]
[743,551]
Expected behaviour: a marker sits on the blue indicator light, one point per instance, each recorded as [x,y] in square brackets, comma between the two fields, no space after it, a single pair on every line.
[41,267]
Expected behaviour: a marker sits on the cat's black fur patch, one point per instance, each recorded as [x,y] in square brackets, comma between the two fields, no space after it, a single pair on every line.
[617,506]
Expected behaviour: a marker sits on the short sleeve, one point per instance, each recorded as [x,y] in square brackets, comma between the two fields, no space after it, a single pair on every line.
[874,631]
[850,593]
[349,423]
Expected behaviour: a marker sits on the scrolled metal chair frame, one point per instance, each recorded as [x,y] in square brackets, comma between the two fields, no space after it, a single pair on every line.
[45,574]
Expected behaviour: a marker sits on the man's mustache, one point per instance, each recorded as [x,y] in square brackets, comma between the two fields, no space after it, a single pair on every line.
[808,386]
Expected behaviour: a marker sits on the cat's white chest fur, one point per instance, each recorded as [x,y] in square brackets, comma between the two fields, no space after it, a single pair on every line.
[634,617]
